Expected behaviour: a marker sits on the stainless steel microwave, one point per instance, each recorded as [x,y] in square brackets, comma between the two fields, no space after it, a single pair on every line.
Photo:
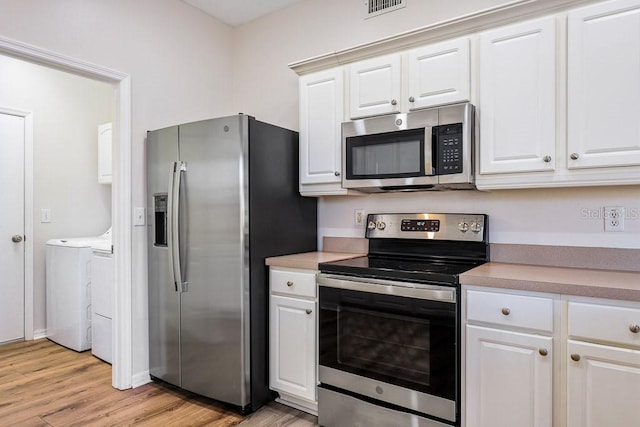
[429,149]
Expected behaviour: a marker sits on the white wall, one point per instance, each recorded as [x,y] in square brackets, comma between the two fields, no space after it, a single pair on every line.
[267,88]
[179,60]
[66,111]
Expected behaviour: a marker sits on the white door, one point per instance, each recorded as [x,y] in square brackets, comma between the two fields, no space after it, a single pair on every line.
[517,98]
[603,383]
[509,379]
[439,74]
[321,115]
[292,346]
[375,86]
[604,85]
[12,228]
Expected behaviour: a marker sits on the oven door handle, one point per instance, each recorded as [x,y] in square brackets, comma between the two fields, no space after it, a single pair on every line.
[388,287]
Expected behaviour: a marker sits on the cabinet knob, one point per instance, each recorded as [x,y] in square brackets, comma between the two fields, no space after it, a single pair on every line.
[575,357]
[506,311]
[394,102]
[309,311]
[546,158]
[574,156]
[634,328]
[543,352]
[289,283]
[336,173]
[411,99]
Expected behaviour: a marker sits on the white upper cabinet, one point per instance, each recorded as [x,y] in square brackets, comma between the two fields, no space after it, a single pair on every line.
[518,97]
[321,116]
[604,85]
[375,86]
[439,74]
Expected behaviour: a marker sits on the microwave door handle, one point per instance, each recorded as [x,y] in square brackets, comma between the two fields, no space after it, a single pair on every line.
[170,226]
[429,147]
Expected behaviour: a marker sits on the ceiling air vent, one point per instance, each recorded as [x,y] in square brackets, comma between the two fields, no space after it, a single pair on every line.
[377,7]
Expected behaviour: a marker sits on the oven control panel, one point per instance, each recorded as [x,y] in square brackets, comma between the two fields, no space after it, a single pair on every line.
[463,227]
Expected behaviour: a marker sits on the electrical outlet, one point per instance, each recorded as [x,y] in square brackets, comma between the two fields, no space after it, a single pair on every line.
[613,218]
[358,217]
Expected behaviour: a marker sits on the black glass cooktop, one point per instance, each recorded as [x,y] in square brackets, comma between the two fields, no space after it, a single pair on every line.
[418,270]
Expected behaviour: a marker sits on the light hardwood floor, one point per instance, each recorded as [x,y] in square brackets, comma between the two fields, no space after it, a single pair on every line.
[43,384]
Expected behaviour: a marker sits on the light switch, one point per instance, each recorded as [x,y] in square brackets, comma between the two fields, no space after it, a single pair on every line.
[138,216]
[45,215]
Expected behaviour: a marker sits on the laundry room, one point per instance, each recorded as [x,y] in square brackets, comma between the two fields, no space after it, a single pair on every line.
[64,191]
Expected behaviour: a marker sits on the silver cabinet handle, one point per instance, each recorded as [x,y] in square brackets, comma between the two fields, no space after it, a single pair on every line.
[506,311]
[574,156]
[411,99]
[546,158]
[17,238]
[394,102]
[543,352]
[634,328]
[336,173]
[309,311]
[289,283]
[575,357]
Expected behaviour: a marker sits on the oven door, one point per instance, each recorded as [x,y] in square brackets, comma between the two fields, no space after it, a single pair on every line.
[390,341]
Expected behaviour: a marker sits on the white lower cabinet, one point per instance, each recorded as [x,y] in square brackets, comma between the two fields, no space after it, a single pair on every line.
[509,360]
[603,365]
[292,338]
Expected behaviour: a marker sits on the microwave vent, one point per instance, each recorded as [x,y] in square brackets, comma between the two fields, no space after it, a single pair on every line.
[377,7]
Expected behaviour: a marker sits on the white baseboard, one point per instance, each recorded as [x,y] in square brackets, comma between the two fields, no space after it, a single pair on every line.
[40,333]
[140,378]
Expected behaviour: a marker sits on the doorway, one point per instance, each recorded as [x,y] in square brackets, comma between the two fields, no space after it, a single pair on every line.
[121,191]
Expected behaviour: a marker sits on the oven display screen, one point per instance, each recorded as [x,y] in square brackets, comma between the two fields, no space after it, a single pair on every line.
[420,225]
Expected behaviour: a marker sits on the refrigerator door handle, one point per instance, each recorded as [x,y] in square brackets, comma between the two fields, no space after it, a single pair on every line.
[170,226]
[173,240]
[175,226]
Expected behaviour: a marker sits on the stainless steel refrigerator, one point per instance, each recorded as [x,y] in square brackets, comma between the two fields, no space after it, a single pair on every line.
[223,194]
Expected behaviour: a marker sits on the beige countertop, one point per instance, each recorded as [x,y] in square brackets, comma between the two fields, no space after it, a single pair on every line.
[621,285]
[308,260]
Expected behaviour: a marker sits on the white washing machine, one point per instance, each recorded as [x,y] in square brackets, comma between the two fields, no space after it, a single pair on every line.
[102,300]
[68,290]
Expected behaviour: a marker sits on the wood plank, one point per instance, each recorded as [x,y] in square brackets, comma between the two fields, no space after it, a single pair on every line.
[43,384]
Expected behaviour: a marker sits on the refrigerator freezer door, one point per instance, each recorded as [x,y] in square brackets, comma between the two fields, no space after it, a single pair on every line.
[214,227]
[164,301]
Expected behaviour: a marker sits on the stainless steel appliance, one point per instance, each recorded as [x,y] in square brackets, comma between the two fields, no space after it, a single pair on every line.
[223,194]
[389,322]
[422,150]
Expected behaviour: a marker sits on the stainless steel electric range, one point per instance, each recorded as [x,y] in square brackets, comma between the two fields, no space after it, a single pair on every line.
[389,322]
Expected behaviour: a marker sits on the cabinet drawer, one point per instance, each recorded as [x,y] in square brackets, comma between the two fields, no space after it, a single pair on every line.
[605,323]
[293,282]
[512,310]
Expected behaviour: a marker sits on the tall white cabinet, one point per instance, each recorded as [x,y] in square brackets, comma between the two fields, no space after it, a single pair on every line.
[518,98]
[321,117]
[292,337]
[604,85]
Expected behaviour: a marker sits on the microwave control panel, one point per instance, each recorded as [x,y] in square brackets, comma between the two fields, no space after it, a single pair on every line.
[448,148]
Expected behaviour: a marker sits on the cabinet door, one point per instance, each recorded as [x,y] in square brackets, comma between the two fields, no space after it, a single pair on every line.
[321,116]
[375,86]
[518,97]
[602,385]
[604,85]
[439,74]
[104,153]
[508,378]
[292,344]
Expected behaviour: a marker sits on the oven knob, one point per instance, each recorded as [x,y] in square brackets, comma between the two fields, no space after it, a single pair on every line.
[381,225]
[372,225]
[476,227]
[463,226]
